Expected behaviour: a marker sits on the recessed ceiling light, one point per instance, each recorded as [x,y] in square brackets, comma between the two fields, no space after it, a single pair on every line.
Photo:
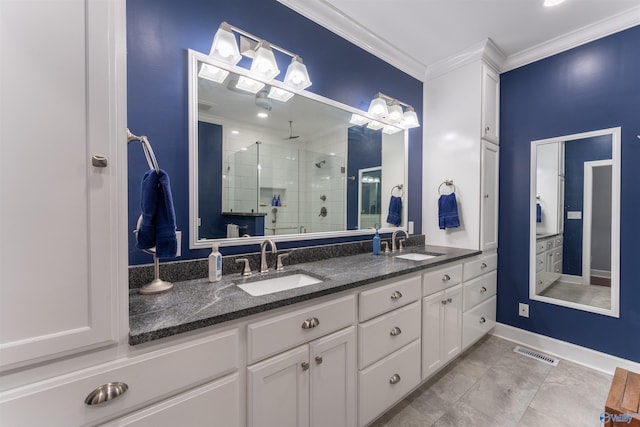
[235,132]
[551,3]
[263,115]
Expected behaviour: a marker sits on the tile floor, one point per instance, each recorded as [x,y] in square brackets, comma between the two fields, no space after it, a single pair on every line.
[595,296]
[490,385]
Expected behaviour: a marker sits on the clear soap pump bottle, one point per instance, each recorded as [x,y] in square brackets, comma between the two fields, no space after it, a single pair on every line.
[215,265]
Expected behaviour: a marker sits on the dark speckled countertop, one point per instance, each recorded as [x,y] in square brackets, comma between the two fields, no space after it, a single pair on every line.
[194,304]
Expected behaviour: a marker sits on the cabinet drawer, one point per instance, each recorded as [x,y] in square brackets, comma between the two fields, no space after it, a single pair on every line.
[541,246]
[540,262]
[557,267]
[479,289]
[279,333]
[558,241]
[557,254]
[387,381]
[478,321]
[383,335]
[442,278]
[481,265]
[60,401]
[386,298]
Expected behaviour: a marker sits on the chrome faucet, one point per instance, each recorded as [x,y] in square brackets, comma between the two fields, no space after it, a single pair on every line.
[393,240]
[263,256]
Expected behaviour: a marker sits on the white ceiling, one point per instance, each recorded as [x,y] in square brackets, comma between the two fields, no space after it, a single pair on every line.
[425,32]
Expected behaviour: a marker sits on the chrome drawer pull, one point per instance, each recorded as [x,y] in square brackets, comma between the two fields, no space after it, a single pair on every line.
[305,366]
[446,278]
[318,360]
[105,393]
[310,323]
[444,302]
[396,295]
[483,265]
[99,161]
[395,331]
[449,300]
[483,290]
[482,320]
[395,379]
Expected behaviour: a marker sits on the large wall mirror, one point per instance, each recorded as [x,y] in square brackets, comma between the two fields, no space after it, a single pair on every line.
[575,221]
[286,170]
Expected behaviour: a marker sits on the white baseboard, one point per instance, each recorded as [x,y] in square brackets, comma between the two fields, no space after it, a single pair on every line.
[597,360]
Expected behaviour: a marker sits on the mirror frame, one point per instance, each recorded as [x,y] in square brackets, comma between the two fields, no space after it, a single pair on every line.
[194,241]
[614,310]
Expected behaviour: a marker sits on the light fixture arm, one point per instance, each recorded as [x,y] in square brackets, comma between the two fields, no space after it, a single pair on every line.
[391,100]
[258,40]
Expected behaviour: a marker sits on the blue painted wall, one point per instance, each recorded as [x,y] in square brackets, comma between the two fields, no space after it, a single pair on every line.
[590,87]
[575,154]
[159,32]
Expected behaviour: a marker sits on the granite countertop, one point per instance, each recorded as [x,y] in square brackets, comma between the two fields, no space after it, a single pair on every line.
[194,304]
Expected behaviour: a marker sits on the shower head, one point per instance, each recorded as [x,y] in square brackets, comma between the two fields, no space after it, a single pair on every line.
[320,163]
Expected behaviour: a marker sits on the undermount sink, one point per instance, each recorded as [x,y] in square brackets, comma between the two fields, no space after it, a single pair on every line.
[278,284]
[416,257]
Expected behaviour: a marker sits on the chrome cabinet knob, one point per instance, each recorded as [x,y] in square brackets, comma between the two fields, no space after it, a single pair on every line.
[395,331]
[483,290]
[396,295]
[99,161]
[310,323]
[318,360]
[483,320]
[487,129]
[444,302]
[105,393]
[304,366]
[483,265]
[446,278]
[395,379]
[449,300]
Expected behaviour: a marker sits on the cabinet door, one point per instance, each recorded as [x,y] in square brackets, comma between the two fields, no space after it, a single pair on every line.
[278,390]
[452,323]
[333,380]
[432,308]
[489,193]
[490,104]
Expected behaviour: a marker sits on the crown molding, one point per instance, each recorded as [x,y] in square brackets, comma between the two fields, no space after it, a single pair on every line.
[323,13]
[485,50]
[589,33]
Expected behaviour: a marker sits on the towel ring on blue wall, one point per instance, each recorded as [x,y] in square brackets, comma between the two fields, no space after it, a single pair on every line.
[146,147]
[448,183]
[400,187]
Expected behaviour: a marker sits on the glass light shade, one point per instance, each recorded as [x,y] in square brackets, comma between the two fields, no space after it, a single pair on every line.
[224,46]
[410,119]
[395,113]
[297,76]
[358,120]
[212,73]
[375,125]
[378,107]
[264,62]
[390,130]
[249,85]
[279,94]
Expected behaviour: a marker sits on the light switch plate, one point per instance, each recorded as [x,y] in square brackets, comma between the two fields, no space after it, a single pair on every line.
[410,227]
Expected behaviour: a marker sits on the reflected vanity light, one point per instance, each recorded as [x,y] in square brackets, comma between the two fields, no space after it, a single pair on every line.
[212,73]
[358,120]
[375,125]
[390,130]
[249,85]
[279,94]
[551,3]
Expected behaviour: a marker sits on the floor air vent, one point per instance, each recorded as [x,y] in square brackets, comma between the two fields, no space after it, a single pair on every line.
[535,355]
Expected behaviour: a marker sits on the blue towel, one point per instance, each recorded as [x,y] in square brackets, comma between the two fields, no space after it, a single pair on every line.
[395,211]
[158,225]
[448,211]
[538,212]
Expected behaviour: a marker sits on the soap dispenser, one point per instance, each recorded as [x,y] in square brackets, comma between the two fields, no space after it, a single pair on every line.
[215,265]
[376,243]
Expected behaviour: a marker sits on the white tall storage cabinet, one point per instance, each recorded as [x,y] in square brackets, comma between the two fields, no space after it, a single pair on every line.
[59,213]
[461,133]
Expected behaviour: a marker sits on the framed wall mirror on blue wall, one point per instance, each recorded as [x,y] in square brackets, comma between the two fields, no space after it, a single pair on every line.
[286,170]
[575,221]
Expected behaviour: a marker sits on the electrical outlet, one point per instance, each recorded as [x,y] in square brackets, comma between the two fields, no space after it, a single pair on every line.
[523,310]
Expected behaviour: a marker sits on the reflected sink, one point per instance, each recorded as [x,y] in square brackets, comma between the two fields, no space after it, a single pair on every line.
[416,257]
[278,284]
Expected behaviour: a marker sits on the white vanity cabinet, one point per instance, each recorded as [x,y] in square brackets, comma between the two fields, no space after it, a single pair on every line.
[490,104]
[57,113]
[313,384]
[441,318]
[548,261]
[489,202]
[480,288]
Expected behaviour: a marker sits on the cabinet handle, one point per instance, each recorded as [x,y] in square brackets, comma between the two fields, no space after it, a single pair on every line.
[310,323]
[444,302]
[305,366]
[487,129]
[318,360]
[482,320]
[395,379]
[396,295]
[486,196]
[449,300]
[395,331]
[483,265]
[446,278]
[483,290]
[105,393]
[99,161]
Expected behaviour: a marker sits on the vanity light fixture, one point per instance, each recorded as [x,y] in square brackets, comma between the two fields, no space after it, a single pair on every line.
[212,73]
[378,107]
[395,113]
[297,76]
[384,106]
[358,120]
[410,119]
[249,85]
[279,94]
[375,125]
[224,46]
[264,62]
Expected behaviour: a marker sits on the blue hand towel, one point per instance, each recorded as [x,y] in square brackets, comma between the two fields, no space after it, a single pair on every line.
[538,212]
[158,225]
[448,211]
[395,211]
